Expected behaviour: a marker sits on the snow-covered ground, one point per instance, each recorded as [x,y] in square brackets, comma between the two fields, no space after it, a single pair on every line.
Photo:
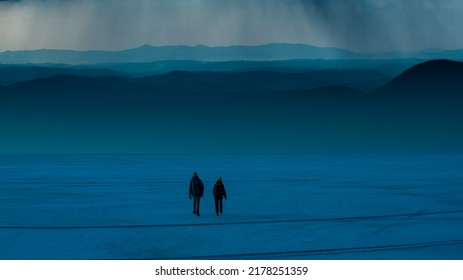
[279,207]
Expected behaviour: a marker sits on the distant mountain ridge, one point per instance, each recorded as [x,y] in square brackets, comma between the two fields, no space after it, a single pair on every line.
[268,52]
[148,53]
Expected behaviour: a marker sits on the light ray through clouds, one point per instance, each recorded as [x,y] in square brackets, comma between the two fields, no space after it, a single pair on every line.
[360,25]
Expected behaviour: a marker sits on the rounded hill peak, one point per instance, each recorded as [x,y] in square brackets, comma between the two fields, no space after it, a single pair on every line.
[431,76]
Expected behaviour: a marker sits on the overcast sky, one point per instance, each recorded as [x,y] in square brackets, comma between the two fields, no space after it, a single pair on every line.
[359,25]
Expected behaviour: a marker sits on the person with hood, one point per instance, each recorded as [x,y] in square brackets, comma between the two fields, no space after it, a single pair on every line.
[196,191]
[219,193]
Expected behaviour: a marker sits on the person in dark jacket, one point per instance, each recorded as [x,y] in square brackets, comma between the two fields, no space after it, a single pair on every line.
[196,191]
[219,193]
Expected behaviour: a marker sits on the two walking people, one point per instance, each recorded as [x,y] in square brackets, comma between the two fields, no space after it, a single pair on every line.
[197,192]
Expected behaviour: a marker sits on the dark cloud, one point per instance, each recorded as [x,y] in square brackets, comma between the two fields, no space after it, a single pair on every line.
[362,25]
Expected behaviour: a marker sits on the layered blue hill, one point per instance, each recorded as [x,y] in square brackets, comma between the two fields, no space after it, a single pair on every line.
[10,74]
[253,111]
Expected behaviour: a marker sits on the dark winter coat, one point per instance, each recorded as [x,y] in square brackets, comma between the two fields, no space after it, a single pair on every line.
[219,190]
[196,187]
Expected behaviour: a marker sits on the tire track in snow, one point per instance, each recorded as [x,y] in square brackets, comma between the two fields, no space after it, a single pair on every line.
[336,219]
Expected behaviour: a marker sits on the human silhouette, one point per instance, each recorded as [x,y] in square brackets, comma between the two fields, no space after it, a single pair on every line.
[219,193]
[196,191]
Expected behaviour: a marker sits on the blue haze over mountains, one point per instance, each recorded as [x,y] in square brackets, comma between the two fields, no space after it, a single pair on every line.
[275,98]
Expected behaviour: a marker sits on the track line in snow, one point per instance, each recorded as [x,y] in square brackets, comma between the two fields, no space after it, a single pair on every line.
[365,249]
[336,219]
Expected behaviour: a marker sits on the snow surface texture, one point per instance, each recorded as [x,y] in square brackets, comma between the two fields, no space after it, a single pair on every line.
[278,207]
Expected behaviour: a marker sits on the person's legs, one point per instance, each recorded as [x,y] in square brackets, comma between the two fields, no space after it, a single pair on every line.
[216,200]
[194,205]
[197,199]
[221,204]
